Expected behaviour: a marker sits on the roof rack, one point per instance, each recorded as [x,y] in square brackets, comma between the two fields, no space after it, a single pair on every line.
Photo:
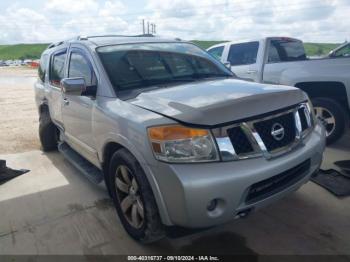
[94,36]
[64,41]
[142,35]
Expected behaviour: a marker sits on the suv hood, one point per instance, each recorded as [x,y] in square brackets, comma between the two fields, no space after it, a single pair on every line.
[214,102]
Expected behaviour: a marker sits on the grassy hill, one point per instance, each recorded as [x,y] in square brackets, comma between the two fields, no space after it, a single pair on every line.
[33,51]
[317,49]
[21,51]
[206,44]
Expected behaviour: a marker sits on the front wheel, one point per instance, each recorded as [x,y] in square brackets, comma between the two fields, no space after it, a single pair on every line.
[333,115]
[133,198]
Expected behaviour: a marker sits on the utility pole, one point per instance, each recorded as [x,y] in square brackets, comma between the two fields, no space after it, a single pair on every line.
[143,26]
[149,30]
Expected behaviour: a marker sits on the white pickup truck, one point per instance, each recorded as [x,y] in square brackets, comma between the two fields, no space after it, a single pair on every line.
[282,60]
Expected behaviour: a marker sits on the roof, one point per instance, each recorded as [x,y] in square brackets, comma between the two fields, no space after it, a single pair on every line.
[253,40]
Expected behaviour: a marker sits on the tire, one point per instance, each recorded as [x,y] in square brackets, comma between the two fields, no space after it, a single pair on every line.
[48,132]
[150,229]
[333,114]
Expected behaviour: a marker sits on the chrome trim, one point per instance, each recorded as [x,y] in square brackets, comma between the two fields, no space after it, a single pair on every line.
[226,149]
[259,148]
[308,114]
[272,116]
[298,128]
[254,137]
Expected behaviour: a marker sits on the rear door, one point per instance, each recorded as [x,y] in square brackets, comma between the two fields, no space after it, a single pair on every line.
[56,74]
[243,60]
[77,109]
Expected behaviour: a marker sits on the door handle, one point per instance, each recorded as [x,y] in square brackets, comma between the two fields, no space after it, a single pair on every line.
[65,101]
[252,71]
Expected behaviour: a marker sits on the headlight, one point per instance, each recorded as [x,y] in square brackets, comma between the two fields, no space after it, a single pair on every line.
[176,143]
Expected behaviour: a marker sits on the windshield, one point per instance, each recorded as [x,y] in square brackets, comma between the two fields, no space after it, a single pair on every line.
[343,52]
[139,66]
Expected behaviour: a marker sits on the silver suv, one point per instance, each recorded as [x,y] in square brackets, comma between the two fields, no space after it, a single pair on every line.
[174,136]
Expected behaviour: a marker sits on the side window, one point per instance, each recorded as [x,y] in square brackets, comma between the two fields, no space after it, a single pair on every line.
[57,68]
[216,52]
[285,50]
[42,67]
[79,66]
[273,55]
[243,54]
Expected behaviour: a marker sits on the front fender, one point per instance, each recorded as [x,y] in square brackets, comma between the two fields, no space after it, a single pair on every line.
[124,142]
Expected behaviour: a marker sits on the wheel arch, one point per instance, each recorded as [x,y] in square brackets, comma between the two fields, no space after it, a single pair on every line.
[329,89]
[113,146]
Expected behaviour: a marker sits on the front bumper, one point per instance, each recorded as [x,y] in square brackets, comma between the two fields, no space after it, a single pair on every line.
[187,189]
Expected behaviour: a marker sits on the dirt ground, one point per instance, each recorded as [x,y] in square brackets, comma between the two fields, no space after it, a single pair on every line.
[18,117]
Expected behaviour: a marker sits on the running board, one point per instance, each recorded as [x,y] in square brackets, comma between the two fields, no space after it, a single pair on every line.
[89,170]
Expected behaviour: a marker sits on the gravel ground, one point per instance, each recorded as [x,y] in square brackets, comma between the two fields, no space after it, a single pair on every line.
[18,118]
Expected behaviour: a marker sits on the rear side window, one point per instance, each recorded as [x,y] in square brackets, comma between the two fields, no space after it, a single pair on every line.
[79,66]
[243,54]
[42,67]
[57,68]
[286,50]
[216,52]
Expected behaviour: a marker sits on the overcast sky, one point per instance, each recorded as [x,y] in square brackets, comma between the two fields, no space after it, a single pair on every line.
[52,20]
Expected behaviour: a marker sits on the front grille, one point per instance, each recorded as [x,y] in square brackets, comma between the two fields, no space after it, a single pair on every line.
[275,184]
[264,128]
[272,135]
[240,141]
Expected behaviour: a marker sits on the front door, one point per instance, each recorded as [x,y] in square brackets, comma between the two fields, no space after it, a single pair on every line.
[57,66]
[77,109]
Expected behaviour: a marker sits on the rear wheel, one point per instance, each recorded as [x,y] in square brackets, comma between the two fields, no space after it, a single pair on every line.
[333,115]
[133,198]
[48,132]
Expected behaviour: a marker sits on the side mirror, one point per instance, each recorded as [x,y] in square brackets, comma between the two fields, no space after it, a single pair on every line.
[73,86]
[228,65]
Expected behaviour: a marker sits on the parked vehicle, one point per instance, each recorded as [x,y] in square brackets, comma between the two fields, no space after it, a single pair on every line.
[177,140]
[341,51]
[9,62]
[281,60]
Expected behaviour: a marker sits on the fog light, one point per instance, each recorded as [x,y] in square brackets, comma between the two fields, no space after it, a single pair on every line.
[212,205]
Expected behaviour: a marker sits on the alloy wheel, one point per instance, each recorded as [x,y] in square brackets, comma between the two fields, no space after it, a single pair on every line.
[129,197]
[328,118]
